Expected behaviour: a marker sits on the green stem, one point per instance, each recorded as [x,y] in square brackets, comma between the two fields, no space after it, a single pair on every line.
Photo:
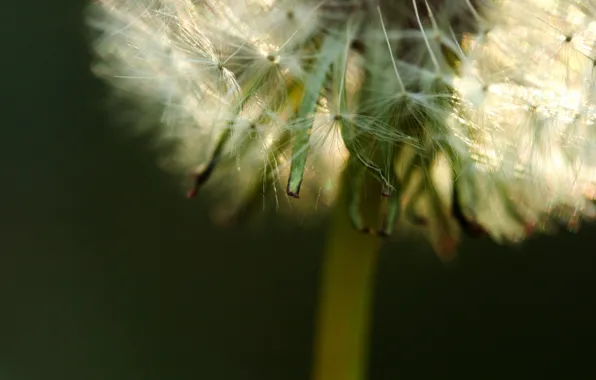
[341,341]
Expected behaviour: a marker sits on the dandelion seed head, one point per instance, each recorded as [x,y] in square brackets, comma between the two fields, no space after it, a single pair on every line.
[471,115]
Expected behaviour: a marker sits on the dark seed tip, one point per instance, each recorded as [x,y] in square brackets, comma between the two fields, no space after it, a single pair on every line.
[192,193]
[368,231]
[383,234]
[358,45]
[417,220]
[293,194]
[475,230]
[293,191]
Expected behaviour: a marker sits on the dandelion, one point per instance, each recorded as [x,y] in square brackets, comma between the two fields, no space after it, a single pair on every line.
[447,116]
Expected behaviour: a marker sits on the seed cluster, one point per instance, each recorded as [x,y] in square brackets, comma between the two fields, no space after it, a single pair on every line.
[469,114]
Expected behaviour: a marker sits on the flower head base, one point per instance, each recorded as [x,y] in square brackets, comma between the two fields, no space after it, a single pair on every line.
[468,114]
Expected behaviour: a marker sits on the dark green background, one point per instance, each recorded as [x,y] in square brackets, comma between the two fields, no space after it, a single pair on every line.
[107,272]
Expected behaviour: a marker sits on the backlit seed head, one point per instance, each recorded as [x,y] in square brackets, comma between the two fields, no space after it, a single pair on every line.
[468,114]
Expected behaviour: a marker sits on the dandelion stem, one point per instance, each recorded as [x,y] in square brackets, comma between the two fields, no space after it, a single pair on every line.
[341,342]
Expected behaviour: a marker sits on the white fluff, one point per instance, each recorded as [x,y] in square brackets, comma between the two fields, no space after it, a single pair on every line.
[495,98]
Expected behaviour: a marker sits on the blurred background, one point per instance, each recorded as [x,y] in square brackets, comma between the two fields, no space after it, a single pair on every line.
[108,272]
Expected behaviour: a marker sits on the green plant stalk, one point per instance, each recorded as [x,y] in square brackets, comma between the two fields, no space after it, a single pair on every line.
[346,289]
